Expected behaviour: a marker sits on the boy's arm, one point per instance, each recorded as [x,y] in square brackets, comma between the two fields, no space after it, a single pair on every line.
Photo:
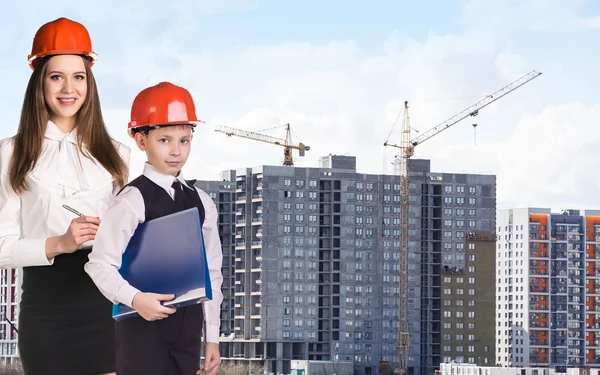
[214,255]
[116,228]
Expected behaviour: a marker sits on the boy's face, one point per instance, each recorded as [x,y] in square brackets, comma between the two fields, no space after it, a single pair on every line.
[167,148]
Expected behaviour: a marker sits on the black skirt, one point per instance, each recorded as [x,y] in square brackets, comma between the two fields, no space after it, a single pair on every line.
[65,323]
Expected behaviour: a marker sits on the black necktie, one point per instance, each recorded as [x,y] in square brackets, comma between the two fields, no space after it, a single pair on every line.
[179,197]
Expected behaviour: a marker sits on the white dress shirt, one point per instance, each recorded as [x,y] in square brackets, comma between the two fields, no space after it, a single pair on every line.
[62,175]
[126,212]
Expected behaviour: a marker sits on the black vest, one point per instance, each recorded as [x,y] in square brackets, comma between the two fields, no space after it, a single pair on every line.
[158,202]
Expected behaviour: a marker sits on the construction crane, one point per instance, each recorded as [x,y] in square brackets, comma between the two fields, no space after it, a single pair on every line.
[287,144]
[407,149]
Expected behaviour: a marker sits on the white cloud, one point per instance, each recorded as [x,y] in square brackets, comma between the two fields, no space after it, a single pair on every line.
[339,99]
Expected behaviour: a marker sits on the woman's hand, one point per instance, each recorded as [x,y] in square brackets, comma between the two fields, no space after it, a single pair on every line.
[81,230]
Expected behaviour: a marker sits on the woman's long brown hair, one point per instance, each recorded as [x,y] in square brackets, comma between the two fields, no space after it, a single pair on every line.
[91,131]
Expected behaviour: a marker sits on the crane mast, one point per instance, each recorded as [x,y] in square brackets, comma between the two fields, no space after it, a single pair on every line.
[407,148]
[403,334]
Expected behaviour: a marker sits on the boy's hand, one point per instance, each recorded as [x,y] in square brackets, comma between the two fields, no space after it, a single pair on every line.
[212,359]
[149,307]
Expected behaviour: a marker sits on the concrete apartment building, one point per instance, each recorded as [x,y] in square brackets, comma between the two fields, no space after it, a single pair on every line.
[312,255]
[468,302]
[9,297]
[548,288]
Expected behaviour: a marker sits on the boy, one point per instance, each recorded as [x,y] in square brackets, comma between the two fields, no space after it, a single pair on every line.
[163,341]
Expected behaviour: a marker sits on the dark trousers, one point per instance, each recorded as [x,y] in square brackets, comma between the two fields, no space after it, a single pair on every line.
[170,346]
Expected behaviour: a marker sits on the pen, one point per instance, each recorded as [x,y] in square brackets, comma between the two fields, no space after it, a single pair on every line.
[72,210]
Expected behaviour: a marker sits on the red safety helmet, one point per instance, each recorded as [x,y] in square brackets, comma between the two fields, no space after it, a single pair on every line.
[61,37]
[163,104]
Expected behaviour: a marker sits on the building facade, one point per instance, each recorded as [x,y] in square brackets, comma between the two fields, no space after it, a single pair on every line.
[9,302]
[468,302]
[548,288]
[315,261]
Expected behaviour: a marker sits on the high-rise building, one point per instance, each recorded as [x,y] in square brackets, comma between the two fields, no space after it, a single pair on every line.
[9,299]
[468,302]
[548,288]
[315,261]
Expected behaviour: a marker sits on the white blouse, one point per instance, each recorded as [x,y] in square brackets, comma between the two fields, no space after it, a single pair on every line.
[61,176]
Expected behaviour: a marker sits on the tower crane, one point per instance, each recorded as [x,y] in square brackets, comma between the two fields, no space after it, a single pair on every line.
[407,149]
[287,143]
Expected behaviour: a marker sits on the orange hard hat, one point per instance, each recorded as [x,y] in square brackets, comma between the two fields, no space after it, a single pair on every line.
[163,104]
[61,37]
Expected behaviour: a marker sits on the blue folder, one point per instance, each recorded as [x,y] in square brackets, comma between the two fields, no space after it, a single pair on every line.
[167,256]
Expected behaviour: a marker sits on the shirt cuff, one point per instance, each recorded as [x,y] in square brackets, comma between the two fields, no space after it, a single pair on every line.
[125,295]
[212,333]
[31,253]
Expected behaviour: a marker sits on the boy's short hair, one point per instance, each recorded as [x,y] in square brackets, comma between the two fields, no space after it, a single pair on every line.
[146,129]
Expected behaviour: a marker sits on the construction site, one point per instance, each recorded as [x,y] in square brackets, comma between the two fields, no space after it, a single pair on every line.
[330,265]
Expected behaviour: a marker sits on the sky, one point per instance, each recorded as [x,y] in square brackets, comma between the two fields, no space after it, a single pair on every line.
[339,73]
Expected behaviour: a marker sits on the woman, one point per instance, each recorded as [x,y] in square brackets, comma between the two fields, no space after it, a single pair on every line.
[61,154]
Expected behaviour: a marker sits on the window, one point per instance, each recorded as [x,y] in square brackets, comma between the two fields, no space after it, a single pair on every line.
[312,183]
[299,194]
[287,182]
[299,183]
[472,189]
